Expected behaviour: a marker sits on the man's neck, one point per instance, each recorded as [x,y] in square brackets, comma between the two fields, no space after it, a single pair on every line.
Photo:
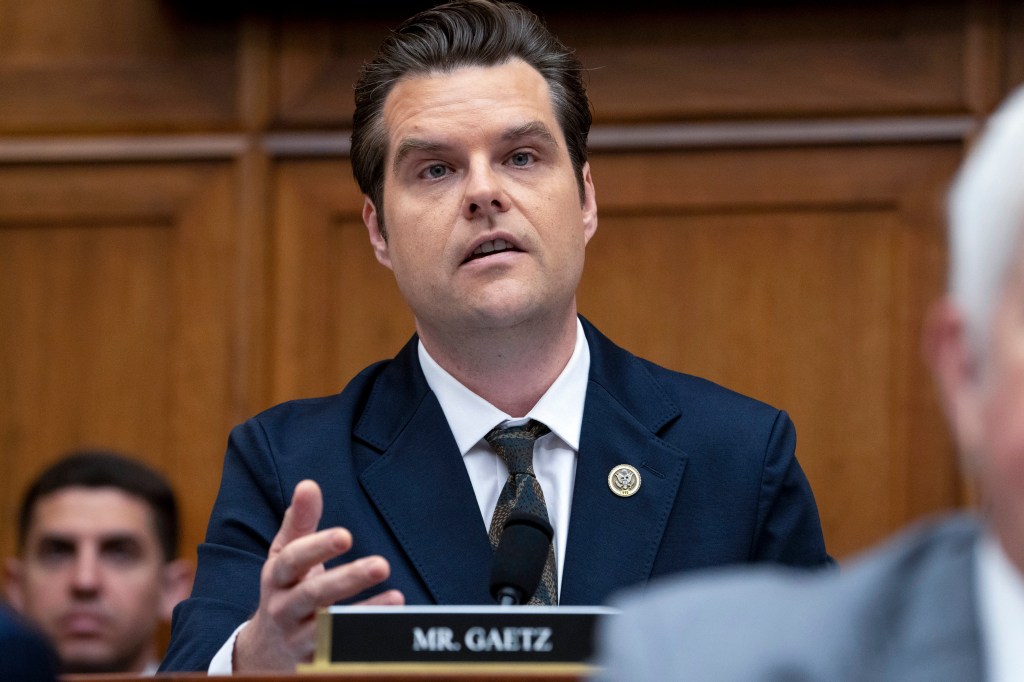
[510,367]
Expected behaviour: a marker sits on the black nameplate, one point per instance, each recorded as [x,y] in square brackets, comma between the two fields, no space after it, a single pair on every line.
[456,634]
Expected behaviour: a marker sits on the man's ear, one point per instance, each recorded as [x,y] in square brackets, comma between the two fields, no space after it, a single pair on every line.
[14,574]
[589,205]
[177,577]
[373,221]
[955,363]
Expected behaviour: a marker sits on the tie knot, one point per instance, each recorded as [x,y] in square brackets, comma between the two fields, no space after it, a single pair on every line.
[514,444]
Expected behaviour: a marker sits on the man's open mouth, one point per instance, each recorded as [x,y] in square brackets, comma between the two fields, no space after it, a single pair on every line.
[490,248]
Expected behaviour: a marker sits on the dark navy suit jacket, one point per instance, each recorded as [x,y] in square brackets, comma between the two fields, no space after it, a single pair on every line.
[25,654]
[721,485]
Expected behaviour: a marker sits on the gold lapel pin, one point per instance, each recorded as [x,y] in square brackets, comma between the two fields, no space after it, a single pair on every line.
[624,480]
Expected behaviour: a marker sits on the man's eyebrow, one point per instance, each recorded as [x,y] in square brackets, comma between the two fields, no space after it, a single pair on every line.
[535,129]
[56,539]
[413,144]
[73,538]
[113,538]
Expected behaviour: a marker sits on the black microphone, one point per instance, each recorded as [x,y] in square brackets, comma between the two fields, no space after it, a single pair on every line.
[520,558]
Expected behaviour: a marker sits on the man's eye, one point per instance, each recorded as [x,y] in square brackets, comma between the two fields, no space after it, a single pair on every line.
[122,552]
[435,171]
[52,555]
[521,159]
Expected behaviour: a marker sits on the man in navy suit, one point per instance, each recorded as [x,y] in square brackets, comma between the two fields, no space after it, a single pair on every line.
[943,600]
[470,144]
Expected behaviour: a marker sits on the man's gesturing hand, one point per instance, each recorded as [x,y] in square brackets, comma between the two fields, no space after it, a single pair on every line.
[294,584]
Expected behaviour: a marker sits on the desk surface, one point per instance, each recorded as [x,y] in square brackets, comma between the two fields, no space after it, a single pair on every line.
[362,673]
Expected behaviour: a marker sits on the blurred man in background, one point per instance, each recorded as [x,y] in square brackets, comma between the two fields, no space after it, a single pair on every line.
[97,569]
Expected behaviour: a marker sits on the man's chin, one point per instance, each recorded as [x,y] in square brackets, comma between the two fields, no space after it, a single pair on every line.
[84,668]
[91,658]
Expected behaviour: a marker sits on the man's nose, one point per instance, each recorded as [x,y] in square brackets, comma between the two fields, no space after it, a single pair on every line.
[86,572]
[485,192]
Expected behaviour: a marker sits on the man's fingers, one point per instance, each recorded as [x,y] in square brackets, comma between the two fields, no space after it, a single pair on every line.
[346,581]
[388,598]
[307,506]
[338,584]
[293,562]
[301,517]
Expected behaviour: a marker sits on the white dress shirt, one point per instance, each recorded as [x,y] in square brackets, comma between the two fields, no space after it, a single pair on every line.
[470,418]
[1001,612]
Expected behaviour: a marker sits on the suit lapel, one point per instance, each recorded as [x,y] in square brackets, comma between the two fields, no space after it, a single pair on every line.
[420,486]
[613,541]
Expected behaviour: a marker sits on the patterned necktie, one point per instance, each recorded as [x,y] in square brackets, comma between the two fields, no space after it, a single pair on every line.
[522,492]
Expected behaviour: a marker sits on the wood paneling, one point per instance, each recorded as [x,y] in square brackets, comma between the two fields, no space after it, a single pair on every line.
[93,65]
[800,277]
[808,59]
[337,308]
[647,65]
[318,64]
[181,246]
[1013,44]
[116,295]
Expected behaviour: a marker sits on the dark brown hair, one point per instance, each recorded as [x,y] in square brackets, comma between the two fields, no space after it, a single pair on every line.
[459,34]
[104,469]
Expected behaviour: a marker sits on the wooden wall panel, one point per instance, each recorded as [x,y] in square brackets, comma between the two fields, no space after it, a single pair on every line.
[800,277]
[97,66]
[337,308]
[317,64]
[670,65]
[180,241]
[1013,46]
[116,295]
[768,60]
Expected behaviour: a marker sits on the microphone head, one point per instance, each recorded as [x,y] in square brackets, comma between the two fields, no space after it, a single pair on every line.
[520,557]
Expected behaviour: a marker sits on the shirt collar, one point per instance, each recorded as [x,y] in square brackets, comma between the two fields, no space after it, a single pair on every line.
[470,417]
[1001,607]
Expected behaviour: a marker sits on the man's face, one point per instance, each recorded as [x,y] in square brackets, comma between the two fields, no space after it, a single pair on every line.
[93,577]
[482,208]
[998,454]
[984,394]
